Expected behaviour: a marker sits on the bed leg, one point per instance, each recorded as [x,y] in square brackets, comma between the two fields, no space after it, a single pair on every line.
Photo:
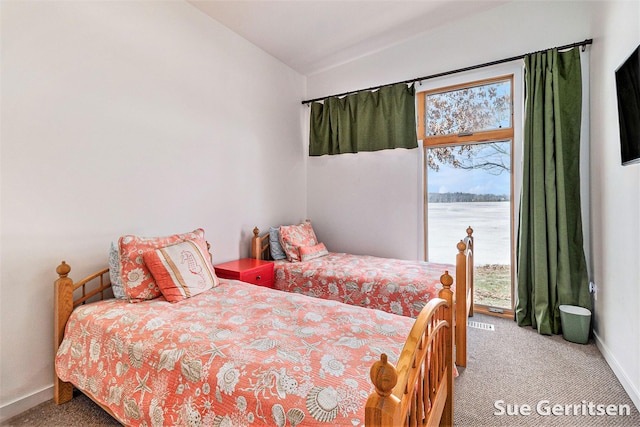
[62,392]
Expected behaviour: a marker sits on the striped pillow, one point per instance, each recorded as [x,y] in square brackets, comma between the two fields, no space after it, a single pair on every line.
[182,270]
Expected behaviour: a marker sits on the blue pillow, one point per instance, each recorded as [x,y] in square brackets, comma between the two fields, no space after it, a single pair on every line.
[114,272]
[274,244]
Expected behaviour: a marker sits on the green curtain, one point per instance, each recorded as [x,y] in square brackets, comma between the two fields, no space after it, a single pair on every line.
[365,121]
[550,257]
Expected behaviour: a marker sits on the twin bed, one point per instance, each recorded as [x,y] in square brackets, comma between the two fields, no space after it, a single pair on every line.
[396,286]
[282,359]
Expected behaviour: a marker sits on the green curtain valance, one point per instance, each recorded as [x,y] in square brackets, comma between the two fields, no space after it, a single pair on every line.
[365,121]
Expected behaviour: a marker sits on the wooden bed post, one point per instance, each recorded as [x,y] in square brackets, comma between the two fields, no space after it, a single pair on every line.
[260,245]
[382,405]
[464,294]
[447,294]
[461,304]
[255,244]
[470,268]
[63,306]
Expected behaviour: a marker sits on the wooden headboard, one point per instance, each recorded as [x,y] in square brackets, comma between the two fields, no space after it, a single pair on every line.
[94,285]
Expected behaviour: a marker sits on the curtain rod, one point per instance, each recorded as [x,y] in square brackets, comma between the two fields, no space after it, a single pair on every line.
[459,70]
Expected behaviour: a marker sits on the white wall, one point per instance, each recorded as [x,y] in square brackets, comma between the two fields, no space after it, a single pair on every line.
[338,185]
[367,203]
[129,117]
[615,205]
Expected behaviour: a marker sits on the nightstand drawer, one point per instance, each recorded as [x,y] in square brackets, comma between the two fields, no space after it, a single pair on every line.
[248,270]
[262,276]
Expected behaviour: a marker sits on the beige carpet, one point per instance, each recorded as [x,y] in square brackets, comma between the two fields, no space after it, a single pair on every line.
[521,367]
[79,412]
[511,364]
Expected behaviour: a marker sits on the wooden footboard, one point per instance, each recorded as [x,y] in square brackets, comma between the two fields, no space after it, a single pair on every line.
[419,390]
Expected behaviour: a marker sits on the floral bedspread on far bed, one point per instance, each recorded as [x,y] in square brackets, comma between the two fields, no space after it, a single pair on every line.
[236,355]
[396,286]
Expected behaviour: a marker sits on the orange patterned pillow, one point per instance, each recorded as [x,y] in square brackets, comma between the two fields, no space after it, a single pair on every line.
[294,236]
[312,252]
[137,281]
[182,270]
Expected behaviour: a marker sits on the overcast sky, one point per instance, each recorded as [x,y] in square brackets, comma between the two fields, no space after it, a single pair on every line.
[450,180]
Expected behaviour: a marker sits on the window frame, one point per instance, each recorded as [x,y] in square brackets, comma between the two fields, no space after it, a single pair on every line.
[496,135]
[457,139]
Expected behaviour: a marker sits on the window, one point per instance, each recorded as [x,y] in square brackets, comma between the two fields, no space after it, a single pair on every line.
[477,112]
[467,132]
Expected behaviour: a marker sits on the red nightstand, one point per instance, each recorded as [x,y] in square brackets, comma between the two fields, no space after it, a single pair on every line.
[249,270]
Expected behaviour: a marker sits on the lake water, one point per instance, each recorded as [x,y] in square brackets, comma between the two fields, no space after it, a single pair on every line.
[491,223]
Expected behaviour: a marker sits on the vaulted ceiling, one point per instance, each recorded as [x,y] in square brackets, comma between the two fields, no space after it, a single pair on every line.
[312,35]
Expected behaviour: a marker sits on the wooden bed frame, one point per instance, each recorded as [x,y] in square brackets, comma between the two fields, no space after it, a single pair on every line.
[419,390]
[463,300]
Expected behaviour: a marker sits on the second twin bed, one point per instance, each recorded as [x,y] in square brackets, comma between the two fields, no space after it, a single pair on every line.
[395,286]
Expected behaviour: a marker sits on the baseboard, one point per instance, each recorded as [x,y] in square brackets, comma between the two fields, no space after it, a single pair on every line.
[628,386]
[20,405]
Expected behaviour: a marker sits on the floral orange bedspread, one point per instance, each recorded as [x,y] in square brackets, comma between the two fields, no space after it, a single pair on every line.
[396,286]
[237,355]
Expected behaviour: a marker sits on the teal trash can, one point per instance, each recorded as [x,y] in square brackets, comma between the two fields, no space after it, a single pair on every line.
[576,323]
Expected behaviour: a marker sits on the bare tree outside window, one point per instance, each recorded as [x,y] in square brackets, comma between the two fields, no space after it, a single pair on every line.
[469,111]
[492,158]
